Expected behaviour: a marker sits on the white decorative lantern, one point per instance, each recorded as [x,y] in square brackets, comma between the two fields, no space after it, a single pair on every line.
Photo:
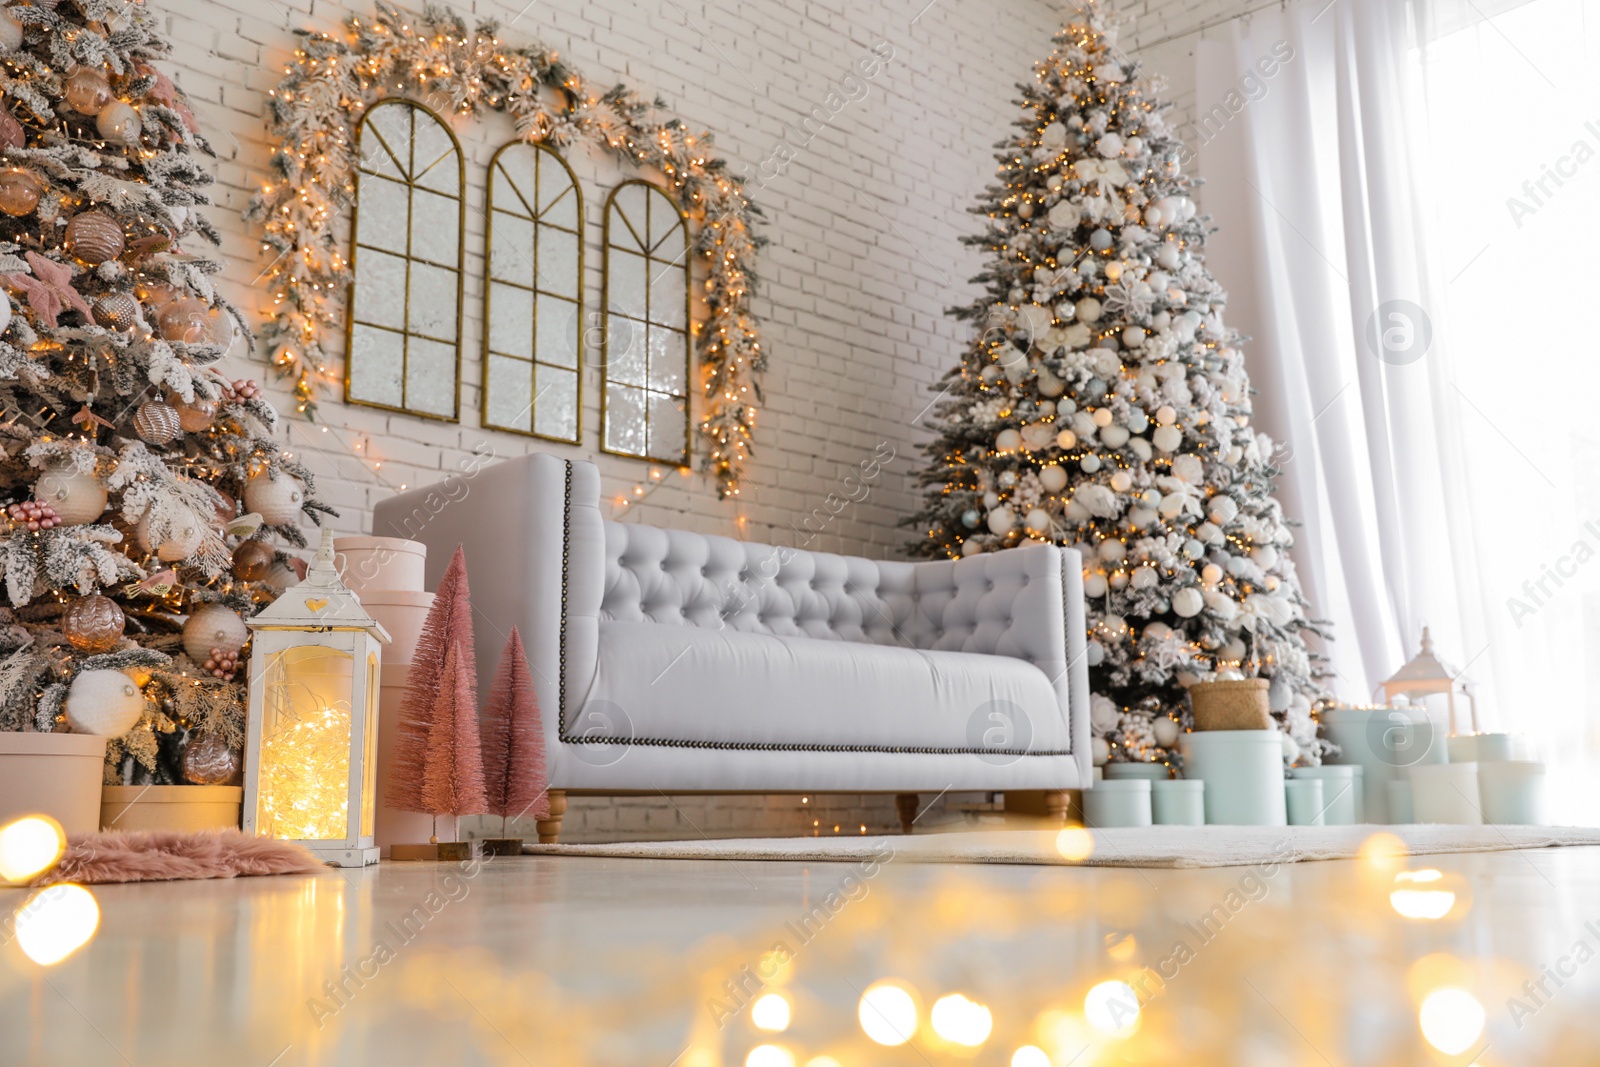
[1427,674]
[311,755]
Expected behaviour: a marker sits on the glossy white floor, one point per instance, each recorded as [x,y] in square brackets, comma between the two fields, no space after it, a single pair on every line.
[566,961]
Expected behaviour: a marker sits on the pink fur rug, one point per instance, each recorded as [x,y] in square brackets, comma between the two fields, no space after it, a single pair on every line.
[166,855]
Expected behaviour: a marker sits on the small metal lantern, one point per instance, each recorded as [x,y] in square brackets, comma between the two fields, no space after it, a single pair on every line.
[1427,674]
[310,762]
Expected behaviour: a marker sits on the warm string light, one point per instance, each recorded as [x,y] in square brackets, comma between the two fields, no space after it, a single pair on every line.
[472,72]
[305,772]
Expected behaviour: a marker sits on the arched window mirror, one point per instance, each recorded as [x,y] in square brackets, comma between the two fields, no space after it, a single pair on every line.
[532,302]
[404,343]
[645,398]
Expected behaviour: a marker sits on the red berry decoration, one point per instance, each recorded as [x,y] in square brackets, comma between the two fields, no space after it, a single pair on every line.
[34,515]
[223,664]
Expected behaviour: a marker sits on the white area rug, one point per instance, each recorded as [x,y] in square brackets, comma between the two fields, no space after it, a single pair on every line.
[1154,846]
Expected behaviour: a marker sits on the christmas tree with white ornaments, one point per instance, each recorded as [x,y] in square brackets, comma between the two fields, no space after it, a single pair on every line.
[142,495]
[1104,405]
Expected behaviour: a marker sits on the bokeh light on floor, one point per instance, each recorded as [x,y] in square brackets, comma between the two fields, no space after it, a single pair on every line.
[1030,1056]
[770,1011]
[1075,844]
[1421,895]
[56,922]
[769,1056]
[888,1013]
[1451,1019]
[30,846]
[961,1021]
[1112,1007]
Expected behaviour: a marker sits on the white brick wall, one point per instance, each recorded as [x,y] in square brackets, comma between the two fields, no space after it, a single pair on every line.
[864,258]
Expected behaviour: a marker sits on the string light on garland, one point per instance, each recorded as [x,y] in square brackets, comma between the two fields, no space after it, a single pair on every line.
[332,79]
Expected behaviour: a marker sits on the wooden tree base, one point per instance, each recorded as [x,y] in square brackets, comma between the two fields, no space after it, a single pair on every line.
[407,853]
[502,846]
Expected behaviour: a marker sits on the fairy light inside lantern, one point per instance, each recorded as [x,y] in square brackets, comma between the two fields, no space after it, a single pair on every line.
[310,765]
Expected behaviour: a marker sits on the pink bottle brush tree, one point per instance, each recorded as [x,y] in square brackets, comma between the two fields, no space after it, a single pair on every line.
[513,740]
[438,763]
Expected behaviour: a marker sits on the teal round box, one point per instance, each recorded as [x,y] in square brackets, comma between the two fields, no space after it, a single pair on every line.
[1178,802]
[1243,773]
[1117,802]
[1339,785]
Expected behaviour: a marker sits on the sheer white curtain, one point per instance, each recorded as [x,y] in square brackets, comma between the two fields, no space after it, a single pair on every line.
[1422,354]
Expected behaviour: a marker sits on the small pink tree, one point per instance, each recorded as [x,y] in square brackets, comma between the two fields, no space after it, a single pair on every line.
[418,750]
[513,740]
[452,778]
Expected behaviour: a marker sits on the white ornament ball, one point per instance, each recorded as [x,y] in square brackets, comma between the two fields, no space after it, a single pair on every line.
[1133,336]
[1089,464]
[1187,603]
[1066,439]
[1111,550]
[1100,748]
[1053,135]
[1141,448]
[182,541]
[1103,713]
[1094,586]
[1102,417]
[1167,438]
[1054,479]
[1141,518]
[1001,520]
[1166,415]
[1114,436]
[1224,509]
[1157,630]
[991,499]
[1234,651]
[276,500]
[104,703]
[1122,481]
[1037,520]
[1166,731]
[1088,310]
[1265,556]
[1007,441]
[1095,653]
[1291,749]
[971,548]
[77,498]
[1169,256]
[1210,574]
[1145,578]
[213,626]
[1110,146]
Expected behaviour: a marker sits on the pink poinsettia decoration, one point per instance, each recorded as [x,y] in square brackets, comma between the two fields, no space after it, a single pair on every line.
[49,289]
[166,94]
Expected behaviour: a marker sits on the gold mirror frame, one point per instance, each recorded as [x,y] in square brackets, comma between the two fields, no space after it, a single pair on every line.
[489,280]
[681,262]
[355,267]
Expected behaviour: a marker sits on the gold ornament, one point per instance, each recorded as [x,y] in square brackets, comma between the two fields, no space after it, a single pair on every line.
[197,415]
[20,189]
[188,320]
[116,311]
[93,624]
[94,237]
[87,91]
[207,760]
[252,561]
[158,422]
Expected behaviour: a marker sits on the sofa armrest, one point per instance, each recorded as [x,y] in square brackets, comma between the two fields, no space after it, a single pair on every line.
[1023,602]
[512,520]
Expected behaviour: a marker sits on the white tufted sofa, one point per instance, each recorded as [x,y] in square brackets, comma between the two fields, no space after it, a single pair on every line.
[677,662]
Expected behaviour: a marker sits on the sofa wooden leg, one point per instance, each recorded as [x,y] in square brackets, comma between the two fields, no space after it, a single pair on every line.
[1056,804]
[906,804]
[550,829]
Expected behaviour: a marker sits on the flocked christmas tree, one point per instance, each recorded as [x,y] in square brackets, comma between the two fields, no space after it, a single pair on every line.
[1104,405]
[129,465]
